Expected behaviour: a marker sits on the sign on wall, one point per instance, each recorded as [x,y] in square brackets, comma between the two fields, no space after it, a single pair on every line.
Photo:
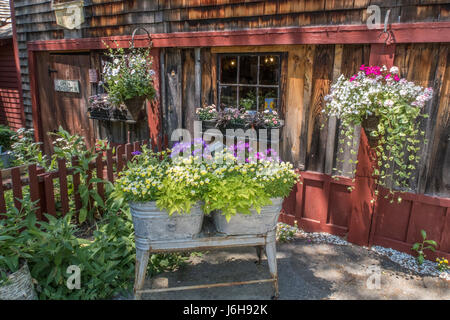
[69,14]
[72,86]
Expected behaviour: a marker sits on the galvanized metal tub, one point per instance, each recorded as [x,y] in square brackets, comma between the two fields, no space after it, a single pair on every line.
[243,224]
[150,223]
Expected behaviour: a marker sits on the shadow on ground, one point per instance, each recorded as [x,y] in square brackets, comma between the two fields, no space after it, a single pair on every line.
[307,271]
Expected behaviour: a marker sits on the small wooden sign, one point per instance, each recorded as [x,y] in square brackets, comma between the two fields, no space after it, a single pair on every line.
[93,76]
[69,14]
[72,86]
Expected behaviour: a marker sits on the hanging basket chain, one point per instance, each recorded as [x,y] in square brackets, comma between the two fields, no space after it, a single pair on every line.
[134,34]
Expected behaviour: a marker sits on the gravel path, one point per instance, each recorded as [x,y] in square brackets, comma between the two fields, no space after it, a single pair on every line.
[405,260]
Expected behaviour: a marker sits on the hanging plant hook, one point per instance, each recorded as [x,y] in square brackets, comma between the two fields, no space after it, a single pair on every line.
[134,34]
[388,34]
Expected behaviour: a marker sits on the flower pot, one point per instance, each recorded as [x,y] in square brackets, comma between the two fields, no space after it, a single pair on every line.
[112,114]
[135,105]
[151,223]
[370,124]
[209,124]
[19,286]
[244,224]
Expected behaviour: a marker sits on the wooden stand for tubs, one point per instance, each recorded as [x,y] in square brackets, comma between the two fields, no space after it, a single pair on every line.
[205,241]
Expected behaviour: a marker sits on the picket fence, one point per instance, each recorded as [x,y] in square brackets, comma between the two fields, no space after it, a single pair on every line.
[41,183]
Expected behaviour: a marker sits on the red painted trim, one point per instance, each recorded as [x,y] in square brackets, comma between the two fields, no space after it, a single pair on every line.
[154,111]
[34,96]
[380,54]
[17,60]
[350,34]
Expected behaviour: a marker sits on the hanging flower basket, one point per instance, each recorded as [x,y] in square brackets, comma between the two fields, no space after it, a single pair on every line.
[388,108]
[370,125]
[129,77]
[135,106]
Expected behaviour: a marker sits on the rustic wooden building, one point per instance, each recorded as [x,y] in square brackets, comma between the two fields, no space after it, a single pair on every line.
[11,110]
[301,46]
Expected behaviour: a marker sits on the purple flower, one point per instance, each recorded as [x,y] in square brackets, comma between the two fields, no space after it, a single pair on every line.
[136,153]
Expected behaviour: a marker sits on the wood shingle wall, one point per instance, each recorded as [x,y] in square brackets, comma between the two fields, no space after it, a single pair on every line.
[309,69]
[35,20]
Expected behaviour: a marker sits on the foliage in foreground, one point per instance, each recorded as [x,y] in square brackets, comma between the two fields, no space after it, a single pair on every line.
[285,232]
[106,260]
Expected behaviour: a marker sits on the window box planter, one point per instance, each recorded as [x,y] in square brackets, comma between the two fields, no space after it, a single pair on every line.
[19,285]
[101,109]
[209,124]
[153,224]
[242,224]
[110,115]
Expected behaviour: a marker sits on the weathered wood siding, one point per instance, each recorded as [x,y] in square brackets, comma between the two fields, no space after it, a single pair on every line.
[308,70]
[310,140]
[36,20]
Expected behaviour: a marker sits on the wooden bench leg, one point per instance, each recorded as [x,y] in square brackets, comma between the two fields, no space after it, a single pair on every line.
[271,252]
[140,271]
[259,250]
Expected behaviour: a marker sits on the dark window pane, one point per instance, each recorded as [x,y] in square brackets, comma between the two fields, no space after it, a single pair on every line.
[269,67]
[268,99]
[248,70]
[229,69]
[228,97]
[247,98]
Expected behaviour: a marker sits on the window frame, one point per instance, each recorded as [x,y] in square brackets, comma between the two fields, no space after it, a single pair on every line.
[257,85]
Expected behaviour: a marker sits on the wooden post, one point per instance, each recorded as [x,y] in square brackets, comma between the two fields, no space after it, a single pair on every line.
[62,173]
[363,197]
[2,196]
[331,136]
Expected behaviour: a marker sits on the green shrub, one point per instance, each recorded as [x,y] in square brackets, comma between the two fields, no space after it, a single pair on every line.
[106,261]
[15,239]
[6,135]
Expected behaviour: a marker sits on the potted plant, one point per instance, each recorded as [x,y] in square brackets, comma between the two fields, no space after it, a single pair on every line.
[387,107]
[129,78]
[164,195]
[231,118]
[101,108]
[208,116]
[271,120]
[245,197]
[15,278]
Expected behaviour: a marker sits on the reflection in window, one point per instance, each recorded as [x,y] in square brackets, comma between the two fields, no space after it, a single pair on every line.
[249,81]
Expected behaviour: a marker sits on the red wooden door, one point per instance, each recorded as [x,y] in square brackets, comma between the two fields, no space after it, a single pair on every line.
[64,90]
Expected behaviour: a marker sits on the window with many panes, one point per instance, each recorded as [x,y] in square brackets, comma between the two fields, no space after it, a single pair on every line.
[249,81]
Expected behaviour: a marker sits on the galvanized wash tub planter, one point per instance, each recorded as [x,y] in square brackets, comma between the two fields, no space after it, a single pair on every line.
[19,285]
[152,224]
[243,224]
